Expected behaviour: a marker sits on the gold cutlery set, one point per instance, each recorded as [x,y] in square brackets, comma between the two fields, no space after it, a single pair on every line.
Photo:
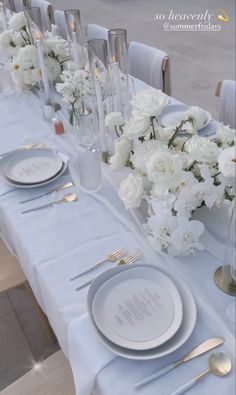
[218,364]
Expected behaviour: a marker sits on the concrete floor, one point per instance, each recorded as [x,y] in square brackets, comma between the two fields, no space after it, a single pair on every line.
[198,59]
[22,339]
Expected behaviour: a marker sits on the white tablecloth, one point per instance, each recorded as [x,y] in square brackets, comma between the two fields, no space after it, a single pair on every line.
[56,243]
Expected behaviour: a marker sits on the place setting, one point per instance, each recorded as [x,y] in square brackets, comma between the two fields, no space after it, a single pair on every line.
[34,166]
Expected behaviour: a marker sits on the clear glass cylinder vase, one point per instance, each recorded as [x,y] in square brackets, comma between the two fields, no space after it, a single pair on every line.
[88,154]
[75,37]
[225,276]
[119,70]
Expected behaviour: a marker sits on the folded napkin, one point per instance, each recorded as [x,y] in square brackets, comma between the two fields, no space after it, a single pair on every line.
[227,103]
[146,64]
[60,21]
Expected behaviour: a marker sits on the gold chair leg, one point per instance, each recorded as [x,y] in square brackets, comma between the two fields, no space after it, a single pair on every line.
[46,325]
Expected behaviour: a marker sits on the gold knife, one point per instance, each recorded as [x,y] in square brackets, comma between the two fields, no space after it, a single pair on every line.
[207,345]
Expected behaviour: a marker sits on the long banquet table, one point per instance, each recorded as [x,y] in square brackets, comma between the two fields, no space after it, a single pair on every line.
[56,243]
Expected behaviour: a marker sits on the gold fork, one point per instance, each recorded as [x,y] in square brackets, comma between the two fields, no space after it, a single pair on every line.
[131,258]
[113,257]
[128,260]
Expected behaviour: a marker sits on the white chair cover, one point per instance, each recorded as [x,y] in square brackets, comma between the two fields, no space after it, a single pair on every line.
[46,12]
[227,103]
[96,31]
[60,21]
[146,64]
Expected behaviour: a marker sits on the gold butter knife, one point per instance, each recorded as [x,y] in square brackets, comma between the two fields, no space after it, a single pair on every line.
[207,345]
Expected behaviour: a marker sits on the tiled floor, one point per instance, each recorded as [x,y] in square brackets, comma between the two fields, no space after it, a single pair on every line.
[22,339]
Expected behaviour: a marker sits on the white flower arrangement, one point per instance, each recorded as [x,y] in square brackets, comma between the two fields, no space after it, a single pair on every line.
[17,40]
[74,88]
[174,172]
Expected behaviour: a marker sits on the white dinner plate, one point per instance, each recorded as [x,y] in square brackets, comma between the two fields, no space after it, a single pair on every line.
[138,309]
[33,166]
[173,114]
[181,336]
[5,159]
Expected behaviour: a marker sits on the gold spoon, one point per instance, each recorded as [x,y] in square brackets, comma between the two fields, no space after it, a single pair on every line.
[68,198]
[218,364]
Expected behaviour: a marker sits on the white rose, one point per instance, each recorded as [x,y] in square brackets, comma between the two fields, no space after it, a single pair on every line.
[131,190]
[224,134]
[137,128]
[150,103]
[53,68]
[17,21]
[27,57]
[202,150]
[114,119]
[5,39]
[165,133]
[117,161]
[199,115]
[142,152]
[163,167]
[123,146]
[30,76]
[227,162]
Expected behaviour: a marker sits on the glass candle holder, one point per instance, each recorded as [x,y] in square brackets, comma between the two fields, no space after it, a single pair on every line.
[75,36]
[225,275]
[119,66]
[88,156]
[98,64]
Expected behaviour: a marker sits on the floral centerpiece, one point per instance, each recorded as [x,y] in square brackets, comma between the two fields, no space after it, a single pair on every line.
[74,88]
[173,169]
[21,48]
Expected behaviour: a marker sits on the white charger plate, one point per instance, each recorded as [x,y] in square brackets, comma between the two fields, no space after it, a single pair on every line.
[5,159]
[174,113]
[181,336]
[33,166]
[139,309]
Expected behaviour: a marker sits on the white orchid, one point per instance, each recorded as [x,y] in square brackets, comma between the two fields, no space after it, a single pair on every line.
[185,239]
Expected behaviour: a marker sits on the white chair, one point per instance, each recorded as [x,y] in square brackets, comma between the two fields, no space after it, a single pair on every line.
[96,31]
[52,377]
[226,91]
[47,12]
[60,21]
[150,65]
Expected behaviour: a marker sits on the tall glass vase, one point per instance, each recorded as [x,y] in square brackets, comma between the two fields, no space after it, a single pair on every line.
[119,67]
[35,21]
[75,36]
[225,275]
[99,71]
[87,161]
